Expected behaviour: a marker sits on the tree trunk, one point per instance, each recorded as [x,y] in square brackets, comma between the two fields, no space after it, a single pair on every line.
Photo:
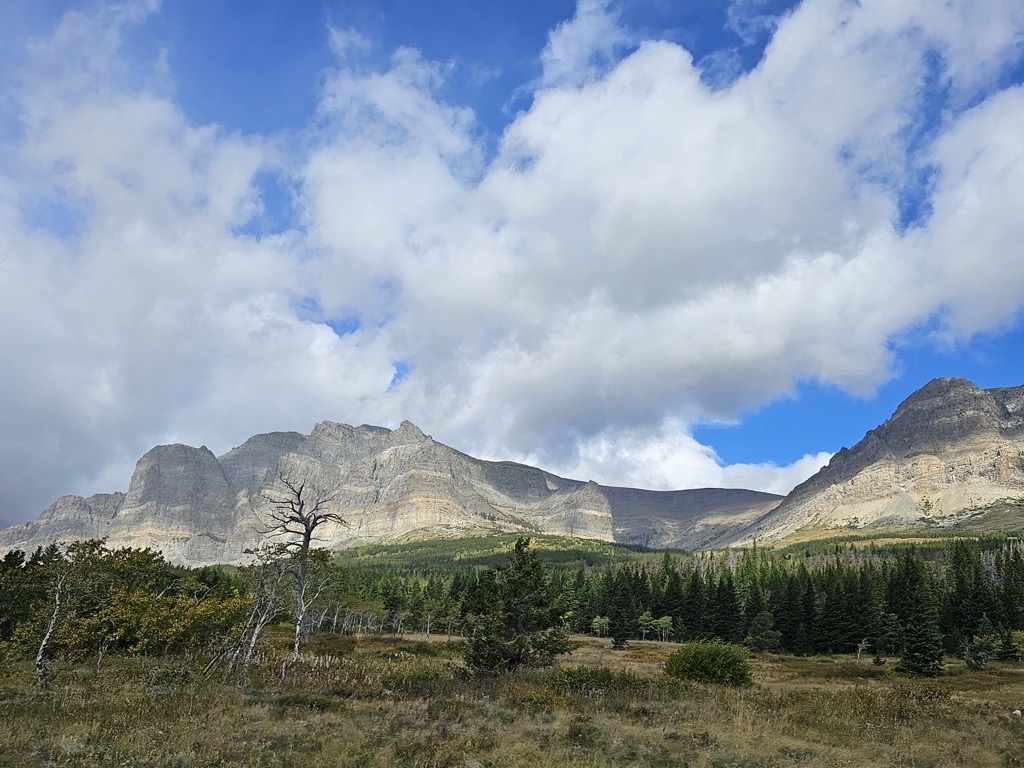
[50,627]
[300,605]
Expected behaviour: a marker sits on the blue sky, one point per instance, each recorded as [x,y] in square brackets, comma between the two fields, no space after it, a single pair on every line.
[664,244]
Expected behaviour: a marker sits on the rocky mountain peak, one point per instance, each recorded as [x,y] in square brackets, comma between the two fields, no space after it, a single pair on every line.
[948,447]
[175,472]
[938,389]
[389,485]
[407,431]
[943,414]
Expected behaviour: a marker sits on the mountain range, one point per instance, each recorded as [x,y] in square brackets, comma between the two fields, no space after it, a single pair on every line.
[949,451]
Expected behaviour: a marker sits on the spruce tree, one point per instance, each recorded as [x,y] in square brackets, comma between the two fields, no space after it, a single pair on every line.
[694,605]
[922,651]
[518,627]
[724,610]
[623,611]
[788,614]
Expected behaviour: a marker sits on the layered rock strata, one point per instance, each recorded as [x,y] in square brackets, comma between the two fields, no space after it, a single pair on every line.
[389,486]
[949,450]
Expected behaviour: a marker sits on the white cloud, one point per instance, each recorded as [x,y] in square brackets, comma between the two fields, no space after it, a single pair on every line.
[771,478]
[748,20]
[667,457]
[580,49]
[348,42]
[641,253]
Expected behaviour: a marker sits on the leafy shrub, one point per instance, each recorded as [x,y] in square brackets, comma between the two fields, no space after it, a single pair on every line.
[720,663]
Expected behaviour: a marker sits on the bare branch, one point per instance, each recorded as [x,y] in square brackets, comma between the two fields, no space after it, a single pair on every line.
[296,515]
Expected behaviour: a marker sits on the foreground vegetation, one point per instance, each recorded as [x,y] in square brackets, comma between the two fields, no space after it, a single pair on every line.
[840,653]
[382,701]
[955,597]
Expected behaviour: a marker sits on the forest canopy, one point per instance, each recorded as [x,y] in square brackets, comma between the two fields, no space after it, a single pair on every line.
[958,597]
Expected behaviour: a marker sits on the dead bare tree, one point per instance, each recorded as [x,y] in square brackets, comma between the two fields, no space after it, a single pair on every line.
[296,514]
[268,604]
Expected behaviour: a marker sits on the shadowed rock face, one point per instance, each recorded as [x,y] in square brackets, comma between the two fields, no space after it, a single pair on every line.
[950,447]
[388,485]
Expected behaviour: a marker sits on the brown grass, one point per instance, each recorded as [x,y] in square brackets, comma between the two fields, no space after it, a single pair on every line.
[382,702]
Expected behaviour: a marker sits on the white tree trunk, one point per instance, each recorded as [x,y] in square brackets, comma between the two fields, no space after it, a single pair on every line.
[50,627]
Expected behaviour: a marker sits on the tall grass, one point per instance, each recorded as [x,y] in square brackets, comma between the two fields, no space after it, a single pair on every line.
[383,702]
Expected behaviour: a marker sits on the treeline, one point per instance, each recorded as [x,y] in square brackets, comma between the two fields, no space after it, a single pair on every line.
[961,597]
[836,604]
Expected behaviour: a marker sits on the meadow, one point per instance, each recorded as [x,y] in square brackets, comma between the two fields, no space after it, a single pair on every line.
[383,701]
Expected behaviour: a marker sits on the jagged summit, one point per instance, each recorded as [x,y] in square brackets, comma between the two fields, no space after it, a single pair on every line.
[389,485]
[948,448]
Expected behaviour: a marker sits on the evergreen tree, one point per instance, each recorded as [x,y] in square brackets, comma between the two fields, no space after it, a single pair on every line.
[1011,585]
[724,610]
[674,596]
[753,602]
[788,615]
[481,594]
[762,635]
[921,654]
[870,604]
[623,610]
[827,613]
[694,604]
[808,606]
[519,627]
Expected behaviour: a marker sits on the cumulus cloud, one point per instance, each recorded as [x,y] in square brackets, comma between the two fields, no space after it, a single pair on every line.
[137,309]
[751,20]
[770,477]
[579,49]
[667,457]
[641,252]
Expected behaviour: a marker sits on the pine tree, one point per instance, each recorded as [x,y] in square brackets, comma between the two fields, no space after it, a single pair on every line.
[519,627]
[694,605]
[922,651]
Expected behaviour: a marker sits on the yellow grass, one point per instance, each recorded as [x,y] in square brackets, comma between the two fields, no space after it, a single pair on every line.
[380,702]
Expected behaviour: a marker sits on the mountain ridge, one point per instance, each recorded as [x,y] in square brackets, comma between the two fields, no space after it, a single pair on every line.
[389,485]
[947,450]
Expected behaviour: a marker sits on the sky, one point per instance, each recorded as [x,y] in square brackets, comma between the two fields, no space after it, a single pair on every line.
[666,244]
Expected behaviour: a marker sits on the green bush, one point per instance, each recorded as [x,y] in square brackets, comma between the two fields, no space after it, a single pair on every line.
[517,625]
[710,663]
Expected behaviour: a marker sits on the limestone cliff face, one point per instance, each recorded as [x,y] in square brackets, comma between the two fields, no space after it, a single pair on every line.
[949,448]
[179,501]
[389,486]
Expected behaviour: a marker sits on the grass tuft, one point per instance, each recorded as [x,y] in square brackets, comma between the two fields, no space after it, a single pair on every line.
[380,704]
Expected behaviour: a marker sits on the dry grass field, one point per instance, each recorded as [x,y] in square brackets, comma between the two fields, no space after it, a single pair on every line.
[391,702]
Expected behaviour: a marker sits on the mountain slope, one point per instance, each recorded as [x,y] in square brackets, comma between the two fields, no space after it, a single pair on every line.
[388,485]
[948,449]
